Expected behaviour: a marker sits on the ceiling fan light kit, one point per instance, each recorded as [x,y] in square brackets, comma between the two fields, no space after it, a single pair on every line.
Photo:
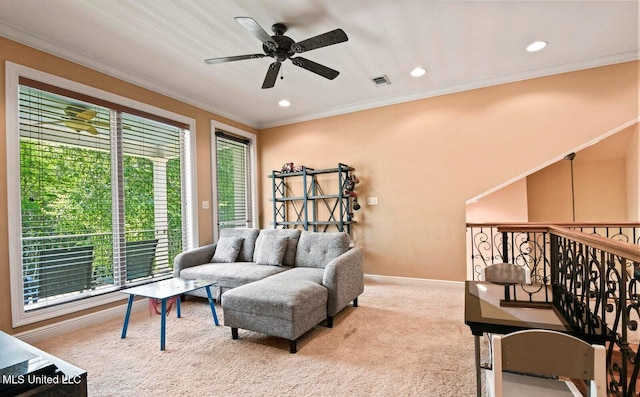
[281,47]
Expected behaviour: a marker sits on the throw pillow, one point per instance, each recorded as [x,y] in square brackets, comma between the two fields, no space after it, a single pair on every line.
[272,251]
[227,250]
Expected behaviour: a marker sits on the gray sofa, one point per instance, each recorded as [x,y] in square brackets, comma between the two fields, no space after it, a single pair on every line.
[280,282]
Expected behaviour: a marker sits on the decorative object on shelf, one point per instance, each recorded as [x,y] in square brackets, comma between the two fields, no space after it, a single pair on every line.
[301,201]
[350,185]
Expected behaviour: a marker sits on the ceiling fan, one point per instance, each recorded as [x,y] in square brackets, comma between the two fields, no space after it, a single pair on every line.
[281,48]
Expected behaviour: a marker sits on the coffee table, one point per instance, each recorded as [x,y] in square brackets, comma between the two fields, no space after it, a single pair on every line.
[163,290]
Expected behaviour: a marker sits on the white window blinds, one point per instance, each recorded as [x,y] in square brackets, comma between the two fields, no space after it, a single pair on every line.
[233,176]
[65,189]
[101,196]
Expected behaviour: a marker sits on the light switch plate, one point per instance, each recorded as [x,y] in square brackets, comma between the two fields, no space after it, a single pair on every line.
[372,201]
[205,205]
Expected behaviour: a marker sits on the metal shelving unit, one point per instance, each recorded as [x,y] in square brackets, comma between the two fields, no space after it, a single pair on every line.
[301,199]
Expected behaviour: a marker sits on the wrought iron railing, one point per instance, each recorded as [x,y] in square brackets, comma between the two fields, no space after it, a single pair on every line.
[593,271]
[530,248]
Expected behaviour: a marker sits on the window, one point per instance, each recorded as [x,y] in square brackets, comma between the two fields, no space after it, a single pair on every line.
[234,188]
[102,199]
[234,160]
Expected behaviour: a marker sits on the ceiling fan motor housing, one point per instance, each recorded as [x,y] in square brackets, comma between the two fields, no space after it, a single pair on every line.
[283,51]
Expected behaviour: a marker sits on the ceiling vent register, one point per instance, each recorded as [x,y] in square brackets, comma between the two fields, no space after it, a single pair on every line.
[381,80]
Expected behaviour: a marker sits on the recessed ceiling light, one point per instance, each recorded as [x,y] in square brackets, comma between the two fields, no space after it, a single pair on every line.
[284,103]
[417,72]
[536,46]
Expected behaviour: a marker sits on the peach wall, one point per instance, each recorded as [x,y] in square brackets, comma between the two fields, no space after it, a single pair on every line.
[424,159]
[508,204]
[600,191]
[602,176]
[549,194]
[23,55]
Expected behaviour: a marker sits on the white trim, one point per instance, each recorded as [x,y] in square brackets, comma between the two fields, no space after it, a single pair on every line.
[74,324]
[12,74]
[20,317]
[215,126]
[213,201]
[13,185]
[191,185]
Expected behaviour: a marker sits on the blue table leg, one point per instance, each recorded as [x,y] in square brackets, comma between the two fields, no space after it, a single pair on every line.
[126,317]
[178,306]
[213,305]
[163,323]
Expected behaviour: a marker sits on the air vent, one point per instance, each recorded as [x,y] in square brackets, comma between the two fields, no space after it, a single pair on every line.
[381,80]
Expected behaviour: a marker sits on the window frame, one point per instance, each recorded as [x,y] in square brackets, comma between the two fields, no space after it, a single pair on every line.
[253,143]
[13,73]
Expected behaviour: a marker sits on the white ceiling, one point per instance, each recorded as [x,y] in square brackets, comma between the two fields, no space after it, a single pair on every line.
[162,44]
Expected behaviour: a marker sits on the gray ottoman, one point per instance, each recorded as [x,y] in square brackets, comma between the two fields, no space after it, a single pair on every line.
[283,305]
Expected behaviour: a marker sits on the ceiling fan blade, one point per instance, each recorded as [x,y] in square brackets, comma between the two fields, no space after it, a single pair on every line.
[272,75]
[252,26]
[315,68]
[212,61]
[322,40]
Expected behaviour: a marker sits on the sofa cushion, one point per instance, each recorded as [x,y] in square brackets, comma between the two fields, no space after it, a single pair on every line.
[248,244]
[292,243]
[227,249]
[318,249]
[231,275]
[271,251]
[299,275]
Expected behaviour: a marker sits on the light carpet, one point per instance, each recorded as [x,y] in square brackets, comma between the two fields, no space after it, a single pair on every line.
[399,341]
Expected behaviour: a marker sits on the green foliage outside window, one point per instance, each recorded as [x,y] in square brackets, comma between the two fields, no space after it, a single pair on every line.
[66,191]
[174,208]
[226,184]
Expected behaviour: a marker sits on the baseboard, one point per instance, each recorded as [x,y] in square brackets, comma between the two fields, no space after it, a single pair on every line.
[377,279]
[63,327]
